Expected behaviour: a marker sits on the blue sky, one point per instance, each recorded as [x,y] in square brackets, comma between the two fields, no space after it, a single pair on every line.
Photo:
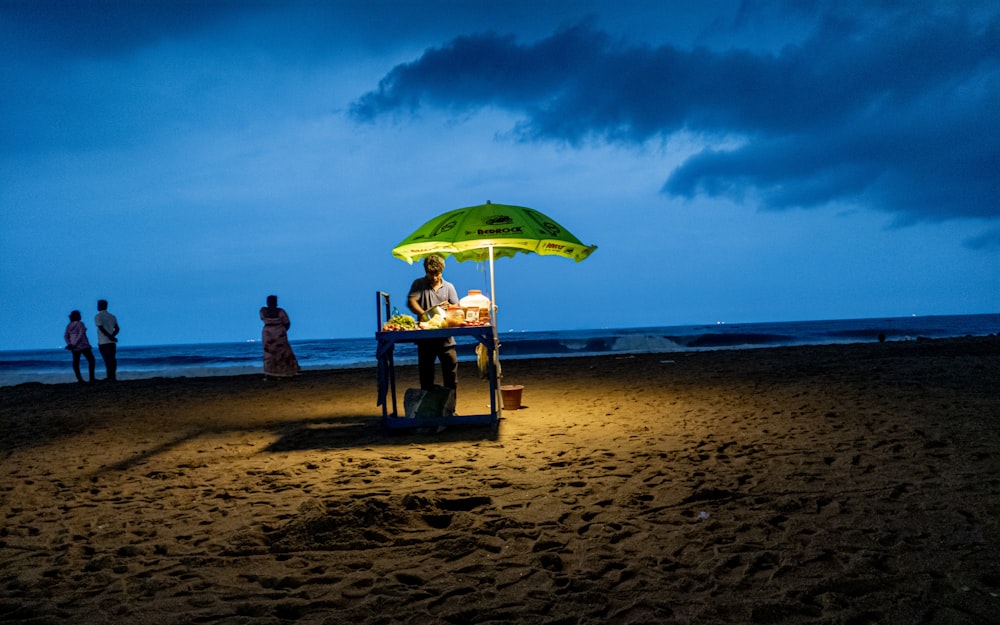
[738,162]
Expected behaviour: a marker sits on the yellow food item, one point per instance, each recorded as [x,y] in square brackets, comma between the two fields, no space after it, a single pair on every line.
[434,323]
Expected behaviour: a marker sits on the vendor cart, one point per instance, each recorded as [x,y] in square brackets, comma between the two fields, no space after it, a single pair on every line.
[387,340]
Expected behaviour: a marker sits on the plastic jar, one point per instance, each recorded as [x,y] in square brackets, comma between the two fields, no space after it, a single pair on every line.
[455,316]
[476,307]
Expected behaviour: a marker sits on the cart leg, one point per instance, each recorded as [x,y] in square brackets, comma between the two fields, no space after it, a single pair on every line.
[392,385]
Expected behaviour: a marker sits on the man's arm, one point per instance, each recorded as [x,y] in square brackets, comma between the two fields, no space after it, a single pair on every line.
[111,335]
[414,306]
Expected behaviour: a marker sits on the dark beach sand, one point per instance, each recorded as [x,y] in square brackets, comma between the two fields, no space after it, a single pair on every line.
[837,484]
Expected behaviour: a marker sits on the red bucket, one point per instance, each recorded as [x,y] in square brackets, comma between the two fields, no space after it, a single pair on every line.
[511,395]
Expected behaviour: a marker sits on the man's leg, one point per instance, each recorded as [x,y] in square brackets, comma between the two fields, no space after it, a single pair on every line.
[426,357]
[109,355]
[449,368]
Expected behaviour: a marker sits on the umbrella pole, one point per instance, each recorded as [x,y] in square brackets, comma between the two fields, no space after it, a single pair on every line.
[493,293]
[496,337]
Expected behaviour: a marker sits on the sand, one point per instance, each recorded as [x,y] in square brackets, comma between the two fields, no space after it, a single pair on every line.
[834,484]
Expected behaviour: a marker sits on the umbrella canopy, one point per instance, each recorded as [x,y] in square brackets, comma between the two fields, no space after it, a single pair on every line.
[491,230]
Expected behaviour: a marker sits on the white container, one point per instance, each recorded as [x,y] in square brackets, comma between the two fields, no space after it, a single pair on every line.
[476,307]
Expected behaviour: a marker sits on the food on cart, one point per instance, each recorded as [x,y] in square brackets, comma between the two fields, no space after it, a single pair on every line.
[433,319]
[438,317]
[399,322]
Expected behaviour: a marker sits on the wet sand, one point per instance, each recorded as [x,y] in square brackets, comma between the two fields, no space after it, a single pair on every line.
[834,484]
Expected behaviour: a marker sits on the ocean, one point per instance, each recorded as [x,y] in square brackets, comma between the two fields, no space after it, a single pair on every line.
[53,366]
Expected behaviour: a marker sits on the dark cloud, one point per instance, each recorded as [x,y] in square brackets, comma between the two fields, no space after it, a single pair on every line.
[112,27]
[896,110]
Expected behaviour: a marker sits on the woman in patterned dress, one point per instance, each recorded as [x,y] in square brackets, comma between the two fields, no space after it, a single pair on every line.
[279,359]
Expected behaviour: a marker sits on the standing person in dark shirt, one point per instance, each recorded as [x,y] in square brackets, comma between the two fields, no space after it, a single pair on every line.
[426,293]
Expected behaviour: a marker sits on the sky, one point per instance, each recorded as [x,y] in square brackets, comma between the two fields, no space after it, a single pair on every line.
[732,161]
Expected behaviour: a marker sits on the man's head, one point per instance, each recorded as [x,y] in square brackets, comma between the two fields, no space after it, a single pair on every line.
[434,267]
[434,264]
[102,304]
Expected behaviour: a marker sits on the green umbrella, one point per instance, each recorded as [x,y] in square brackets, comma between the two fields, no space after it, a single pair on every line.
[491,231]
[470,233]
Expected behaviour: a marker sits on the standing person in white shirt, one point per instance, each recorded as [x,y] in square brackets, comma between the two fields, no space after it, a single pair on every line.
[107,338]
